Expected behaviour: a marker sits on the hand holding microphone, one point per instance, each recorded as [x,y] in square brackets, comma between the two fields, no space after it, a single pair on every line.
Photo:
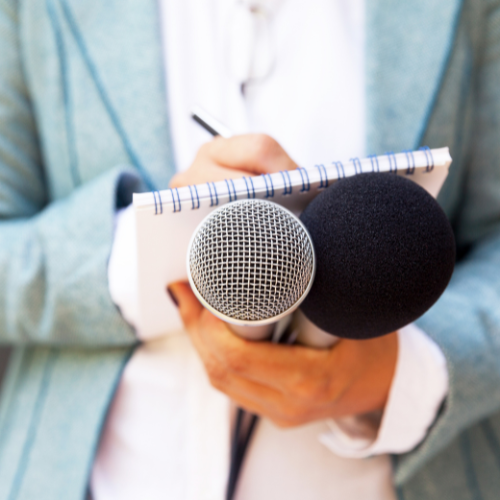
[291,384]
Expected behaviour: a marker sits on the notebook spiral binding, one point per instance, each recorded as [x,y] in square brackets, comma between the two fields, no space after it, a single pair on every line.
[339,166]
[429,157]
[214,196]
[269,194]
[155,194]
[392,158]
[249,180]
[410,170]
[191,189]
[231,189]
[305,178]
[177,206]
[323,176]
[287,182]
[374,163]
[391,162]
[357,164]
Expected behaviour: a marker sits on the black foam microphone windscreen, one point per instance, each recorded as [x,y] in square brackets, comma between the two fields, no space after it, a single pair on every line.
[385,252]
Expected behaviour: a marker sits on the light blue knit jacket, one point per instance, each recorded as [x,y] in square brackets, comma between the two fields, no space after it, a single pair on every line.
[83,123]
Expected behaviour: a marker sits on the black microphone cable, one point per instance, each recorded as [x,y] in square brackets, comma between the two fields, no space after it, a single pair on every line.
[241,439]
[244,428]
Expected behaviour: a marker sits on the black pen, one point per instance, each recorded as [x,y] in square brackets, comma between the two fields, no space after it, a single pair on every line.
[209,123]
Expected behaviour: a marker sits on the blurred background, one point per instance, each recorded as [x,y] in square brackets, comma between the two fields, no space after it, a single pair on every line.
[4,356]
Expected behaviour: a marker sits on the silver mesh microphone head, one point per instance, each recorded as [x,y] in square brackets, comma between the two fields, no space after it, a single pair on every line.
[251,262]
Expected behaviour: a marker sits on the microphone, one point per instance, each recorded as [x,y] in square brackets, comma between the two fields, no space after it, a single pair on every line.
[251,263]
[385,253]
[372,254]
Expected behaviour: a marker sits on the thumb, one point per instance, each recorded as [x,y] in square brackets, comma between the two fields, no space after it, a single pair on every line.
[183,297]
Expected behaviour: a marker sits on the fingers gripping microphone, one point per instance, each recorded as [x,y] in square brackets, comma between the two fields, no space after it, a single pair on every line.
[251,263]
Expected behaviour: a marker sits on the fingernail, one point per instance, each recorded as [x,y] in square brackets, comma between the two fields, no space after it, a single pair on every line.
[172,297]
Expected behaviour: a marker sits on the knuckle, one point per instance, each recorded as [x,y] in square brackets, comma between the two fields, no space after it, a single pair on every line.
[319,391]
[217,384]
[264,147]
[203,155]
[176,181]
[204,150]
[294,415]
[282,424]
[235,359]
[311,390]
[216,374]
[288,422]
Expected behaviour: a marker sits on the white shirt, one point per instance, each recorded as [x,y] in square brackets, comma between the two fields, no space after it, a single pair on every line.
[167,434]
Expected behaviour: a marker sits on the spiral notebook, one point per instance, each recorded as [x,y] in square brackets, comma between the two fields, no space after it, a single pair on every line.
[166,219]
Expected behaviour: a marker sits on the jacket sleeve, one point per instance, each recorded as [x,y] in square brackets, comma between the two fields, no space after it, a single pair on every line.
[465,322]
[53,256]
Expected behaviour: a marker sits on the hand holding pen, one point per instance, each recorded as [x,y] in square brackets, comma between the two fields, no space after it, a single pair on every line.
[232,157]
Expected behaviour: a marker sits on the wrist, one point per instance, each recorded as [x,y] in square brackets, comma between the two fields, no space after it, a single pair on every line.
[369,366]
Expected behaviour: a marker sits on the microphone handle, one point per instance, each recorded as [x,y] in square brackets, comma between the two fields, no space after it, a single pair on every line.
[302,330]
[308,334]
[261,332]
[271,331]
